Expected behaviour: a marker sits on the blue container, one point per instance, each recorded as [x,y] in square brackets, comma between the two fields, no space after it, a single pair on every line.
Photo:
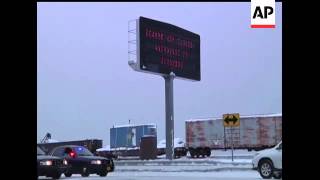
[129,136]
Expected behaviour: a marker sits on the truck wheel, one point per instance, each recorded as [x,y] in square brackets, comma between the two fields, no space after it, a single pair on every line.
[203,154]
[198,152]
[191,152]
[208,152]
[265,169]
[184,152]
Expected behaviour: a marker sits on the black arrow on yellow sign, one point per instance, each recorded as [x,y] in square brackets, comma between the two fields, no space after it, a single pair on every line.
[231,120]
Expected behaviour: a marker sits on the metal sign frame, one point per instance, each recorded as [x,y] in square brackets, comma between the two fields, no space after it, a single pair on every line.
[135,64]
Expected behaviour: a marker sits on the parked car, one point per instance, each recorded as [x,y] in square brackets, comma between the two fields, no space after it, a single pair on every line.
[82,161]
[50,166]
[269,162]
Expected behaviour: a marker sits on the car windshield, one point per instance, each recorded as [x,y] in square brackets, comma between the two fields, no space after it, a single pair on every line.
[82,151]
[40,152]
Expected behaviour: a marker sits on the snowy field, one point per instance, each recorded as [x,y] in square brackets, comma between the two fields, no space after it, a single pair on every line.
[223,175]
[219,167]
[202,171]
[215,154]
[217,157]
[182,164]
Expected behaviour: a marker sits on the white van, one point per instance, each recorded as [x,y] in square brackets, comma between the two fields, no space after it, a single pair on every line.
[269,162]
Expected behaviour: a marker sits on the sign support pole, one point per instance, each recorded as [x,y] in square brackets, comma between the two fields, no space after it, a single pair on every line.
[232,142]
[235,119]
[169,115]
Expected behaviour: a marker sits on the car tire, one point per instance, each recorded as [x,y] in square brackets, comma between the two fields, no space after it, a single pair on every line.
[67,174]
[198,152]
[265,168]
[85,172]
[277,175]
[208,152]
[103,173]
[56,176]
[192,153]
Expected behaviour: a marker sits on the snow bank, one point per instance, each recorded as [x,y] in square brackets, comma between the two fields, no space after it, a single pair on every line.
[178,142]
[107,148]
[183,168]
[133,125]
[51,141]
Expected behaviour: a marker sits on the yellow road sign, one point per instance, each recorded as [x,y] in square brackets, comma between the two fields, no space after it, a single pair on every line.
[231,120]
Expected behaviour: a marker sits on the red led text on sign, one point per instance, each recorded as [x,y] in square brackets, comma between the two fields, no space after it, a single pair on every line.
[170,38]
[171,63]
[168,53]
[166,48]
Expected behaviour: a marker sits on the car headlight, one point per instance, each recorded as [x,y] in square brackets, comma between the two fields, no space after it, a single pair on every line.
[46,163]
[96,162]
[65,162]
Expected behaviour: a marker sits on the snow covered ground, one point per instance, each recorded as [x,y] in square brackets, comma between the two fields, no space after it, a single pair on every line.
[183,165]
[223,175]
[217,157]
[184,162]
[239,152]
[185,168]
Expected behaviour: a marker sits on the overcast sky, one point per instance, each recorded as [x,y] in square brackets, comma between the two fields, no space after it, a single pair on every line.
[85,85]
